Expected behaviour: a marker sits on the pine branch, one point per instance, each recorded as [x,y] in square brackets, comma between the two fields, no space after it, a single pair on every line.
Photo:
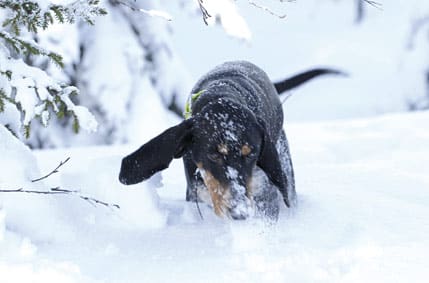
[4,97]
[28,14]
[52,97]
[25,46]
[49,94]
[59,191]
[7,73]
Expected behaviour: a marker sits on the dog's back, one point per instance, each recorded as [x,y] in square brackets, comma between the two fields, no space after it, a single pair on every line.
[246,84]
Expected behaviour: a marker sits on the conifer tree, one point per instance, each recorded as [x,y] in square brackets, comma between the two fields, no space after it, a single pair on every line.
[27,92]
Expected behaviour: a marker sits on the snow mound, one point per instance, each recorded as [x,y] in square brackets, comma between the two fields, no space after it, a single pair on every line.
[361,217]
[23,213]
[98,178]
[18,164]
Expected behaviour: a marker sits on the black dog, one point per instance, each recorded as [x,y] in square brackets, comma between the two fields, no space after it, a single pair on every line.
[233,145]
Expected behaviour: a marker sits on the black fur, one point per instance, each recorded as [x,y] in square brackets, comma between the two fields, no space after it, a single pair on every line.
[235,134]
[155,155]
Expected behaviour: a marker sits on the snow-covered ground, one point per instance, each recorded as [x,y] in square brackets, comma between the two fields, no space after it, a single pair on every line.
[363,188]
[362,183]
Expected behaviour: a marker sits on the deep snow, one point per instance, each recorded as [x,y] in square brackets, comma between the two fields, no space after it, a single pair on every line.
[362,184]
[363,192]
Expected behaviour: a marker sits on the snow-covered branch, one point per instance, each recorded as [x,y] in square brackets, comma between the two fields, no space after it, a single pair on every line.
[29,47]
[27,92]
[38,14]
[34,93]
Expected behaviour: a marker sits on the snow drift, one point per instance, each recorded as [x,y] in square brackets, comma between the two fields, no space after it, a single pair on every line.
[363,194]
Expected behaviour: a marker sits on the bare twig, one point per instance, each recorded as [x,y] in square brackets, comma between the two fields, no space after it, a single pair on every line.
[96,201]
[52,172]
[21,190]
[375,4]
[266,9]
[198,208]
[152,13]
[59,191]
[204,11]
[287,96]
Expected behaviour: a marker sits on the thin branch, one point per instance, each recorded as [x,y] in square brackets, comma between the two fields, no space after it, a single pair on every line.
[204,11]
[52,172]
[374,4]
[199,210]
[21,190]
[152,13]
[198,206]
[266,9]
[287,96]
[59,191]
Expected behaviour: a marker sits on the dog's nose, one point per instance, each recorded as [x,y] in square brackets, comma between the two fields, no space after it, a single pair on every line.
[238,216]
[239,212]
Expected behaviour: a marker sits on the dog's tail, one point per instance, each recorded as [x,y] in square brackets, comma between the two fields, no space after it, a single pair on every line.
[301,78]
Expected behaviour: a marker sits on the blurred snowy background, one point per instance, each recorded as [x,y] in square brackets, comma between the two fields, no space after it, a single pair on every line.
[360,144]
[130,62]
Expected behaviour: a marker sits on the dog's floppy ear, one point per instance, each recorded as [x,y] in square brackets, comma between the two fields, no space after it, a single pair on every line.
[269,162]
[156,154]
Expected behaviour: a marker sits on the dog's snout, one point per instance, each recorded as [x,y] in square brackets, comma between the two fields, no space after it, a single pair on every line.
[240,208]
[238,215]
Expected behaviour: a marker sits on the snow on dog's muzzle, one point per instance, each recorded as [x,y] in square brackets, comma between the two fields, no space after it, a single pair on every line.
[228,199]
[240,206]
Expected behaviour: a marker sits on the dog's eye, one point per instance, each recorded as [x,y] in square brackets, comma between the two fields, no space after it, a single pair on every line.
[246,150]
[247,153]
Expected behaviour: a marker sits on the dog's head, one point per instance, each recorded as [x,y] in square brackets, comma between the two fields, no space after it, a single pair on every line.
[226,142]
